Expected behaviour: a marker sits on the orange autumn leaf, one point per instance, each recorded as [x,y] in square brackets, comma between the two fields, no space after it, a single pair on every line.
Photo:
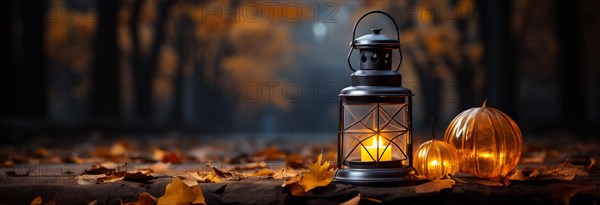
[37,201]
[318,175]
[263,172]
[178,192]
[143,199]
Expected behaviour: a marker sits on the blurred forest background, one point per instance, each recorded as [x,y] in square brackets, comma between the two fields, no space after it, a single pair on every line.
[274,68]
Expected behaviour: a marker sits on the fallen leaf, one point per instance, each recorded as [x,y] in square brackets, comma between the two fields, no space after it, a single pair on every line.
[98,169]
[286,174]
[95,202]
[295,161]
[37,201]
[435,186]
[120,148]
[143,199]
[353,201]
[220,173]
[112,177]
[517,175]
[158,154]
[263,172]
[318,175]
[188,180]
[173,157]
[249,166]
[178,192]
[88,179]
[206,178]
[12,173]
[160,167]
[138,177]
[269,153]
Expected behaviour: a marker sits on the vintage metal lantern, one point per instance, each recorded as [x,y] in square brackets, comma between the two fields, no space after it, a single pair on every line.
[375,115]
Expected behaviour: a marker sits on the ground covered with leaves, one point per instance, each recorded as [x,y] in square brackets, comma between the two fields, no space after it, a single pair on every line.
[185,171]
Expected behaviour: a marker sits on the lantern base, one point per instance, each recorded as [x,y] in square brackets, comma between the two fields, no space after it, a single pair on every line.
[402,176]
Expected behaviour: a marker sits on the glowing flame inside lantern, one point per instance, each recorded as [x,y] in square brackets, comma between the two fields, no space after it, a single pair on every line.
[377,150]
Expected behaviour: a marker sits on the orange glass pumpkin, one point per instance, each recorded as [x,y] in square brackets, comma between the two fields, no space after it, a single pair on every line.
[487,140]
[435,159]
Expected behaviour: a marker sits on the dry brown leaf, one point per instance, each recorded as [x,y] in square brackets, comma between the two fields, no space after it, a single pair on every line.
[143,199]
[286,174]
[295,161]
[138,177]
[249,166]
[270,153]
[12,173]
[173,157]
[112,177]
[98,169]
[318,175]
[435,186]
[517,175]
[353,201]
[178,192]
[219,172]
[205,178]
[86,179]
[160,167]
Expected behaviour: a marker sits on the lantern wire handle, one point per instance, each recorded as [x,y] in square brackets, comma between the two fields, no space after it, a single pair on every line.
[354,36]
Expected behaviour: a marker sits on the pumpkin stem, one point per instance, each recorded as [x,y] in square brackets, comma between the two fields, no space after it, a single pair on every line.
[484,104]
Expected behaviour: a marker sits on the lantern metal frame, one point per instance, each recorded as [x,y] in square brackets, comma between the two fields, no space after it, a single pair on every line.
[375,84]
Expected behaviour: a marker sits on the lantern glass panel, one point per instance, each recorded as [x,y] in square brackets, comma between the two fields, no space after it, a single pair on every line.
[375,132]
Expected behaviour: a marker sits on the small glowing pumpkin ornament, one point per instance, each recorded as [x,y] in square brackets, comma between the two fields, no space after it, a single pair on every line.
[488,141]
[436,159]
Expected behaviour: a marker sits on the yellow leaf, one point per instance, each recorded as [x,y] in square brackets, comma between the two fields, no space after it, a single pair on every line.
[318,175]
[37,201]
[178,192]
[435,186]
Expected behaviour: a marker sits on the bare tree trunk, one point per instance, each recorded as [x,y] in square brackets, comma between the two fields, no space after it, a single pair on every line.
[105,101]
[498,59]
[145,67]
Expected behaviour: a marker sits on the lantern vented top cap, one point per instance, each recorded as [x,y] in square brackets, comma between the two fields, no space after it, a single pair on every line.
[376,39]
